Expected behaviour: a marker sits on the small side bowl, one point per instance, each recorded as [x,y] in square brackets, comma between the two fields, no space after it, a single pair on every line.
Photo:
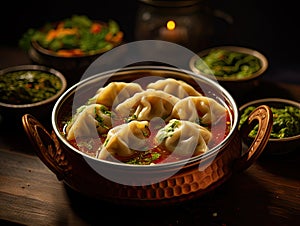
[276,146]
[72,67]
[40,107]
[72,58]
[234,85]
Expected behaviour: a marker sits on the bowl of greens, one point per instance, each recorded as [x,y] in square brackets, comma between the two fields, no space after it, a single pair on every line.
[71,44]
[285,134]
[238,69]
[29,89]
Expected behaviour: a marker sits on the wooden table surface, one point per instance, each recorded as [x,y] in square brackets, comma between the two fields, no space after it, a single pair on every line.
[267,193]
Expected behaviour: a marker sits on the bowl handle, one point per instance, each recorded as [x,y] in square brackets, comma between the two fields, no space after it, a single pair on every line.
[264,116]
[46,146]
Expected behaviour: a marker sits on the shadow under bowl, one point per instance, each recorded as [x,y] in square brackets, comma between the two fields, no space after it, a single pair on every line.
[73,67]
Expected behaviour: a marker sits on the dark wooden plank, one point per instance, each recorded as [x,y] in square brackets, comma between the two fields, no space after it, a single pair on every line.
[268,193]
[31,194]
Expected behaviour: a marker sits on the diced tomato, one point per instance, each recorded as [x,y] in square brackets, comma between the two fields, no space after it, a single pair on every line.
[117,37]
[69,53]
[95,28]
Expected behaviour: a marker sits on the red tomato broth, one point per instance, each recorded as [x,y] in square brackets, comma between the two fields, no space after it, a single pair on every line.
[91,146]
[220,130]
[88,145]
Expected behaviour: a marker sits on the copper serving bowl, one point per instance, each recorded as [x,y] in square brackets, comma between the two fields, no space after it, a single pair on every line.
[146,185]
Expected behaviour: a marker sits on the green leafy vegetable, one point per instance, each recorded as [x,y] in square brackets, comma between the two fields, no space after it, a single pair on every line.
[226,63]
[26,87]
[98,117]
[144,158]
[77,35]
[168,130]
[286,121]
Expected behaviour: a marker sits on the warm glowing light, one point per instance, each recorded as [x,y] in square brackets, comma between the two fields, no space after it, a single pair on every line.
[171,25]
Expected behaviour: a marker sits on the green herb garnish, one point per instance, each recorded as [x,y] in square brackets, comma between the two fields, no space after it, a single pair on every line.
[74,36]
[226,63]
[286,121]
[26,87]
[144,158]
[168,130]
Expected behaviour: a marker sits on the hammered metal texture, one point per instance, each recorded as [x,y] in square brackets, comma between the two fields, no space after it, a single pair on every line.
[188,183]
[47,147]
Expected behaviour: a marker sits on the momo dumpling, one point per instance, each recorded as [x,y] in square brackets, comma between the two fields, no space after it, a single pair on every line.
[89,121]
[147,105]
[201,109]
[184,138]
[114,93]
[125,139]
[175,87]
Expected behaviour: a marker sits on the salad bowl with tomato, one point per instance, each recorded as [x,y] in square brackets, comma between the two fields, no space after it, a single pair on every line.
[72,44]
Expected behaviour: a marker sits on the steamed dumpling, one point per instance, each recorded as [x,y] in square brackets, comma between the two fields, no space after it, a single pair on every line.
[168,115]
[89,121]
[183,138]
[147,105]
[175,87]
[115,93]
[201,109]
[125,139]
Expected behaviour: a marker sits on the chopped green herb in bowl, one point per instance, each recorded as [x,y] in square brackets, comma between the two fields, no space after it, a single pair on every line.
[285,134]
[27,88]
[286,121]
[238,69]
[226,63]
[229,63]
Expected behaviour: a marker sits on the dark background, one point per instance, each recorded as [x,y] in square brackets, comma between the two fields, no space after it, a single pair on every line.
[270,27]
